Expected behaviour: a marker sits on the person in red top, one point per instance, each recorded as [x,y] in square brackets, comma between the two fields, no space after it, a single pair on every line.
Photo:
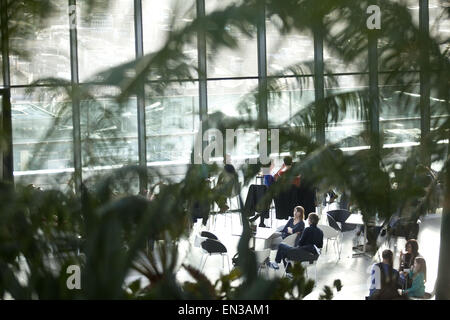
[287,164]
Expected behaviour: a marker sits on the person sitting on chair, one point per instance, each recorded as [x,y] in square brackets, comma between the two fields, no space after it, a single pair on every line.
[407,259]
[418,274]
[304,248]
[227,185]
[287,164]
[294,225]
[384,279]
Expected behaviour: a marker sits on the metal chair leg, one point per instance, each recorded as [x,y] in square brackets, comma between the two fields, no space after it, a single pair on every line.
[204,263]
[201,263]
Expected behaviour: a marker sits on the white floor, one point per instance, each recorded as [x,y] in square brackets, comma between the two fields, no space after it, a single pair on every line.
[353,272]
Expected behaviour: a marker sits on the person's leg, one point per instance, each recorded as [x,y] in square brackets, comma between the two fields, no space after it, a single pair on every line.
[300,254]
[281,253]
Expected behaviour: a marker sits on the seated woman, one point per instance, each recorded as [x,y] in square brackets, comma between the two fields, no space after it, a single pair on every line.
[305,245]
[294,225]
[418,274]
[227,185]
[407,259]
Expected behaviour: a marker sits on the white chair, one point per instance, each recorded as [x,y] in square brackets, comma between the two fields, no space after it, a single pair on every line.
[290,240]
[198,241]
[261,258]
[331,234]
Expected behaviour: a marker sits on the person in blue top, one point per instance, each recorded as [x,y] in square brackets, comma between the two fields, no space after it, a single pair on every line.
[294,225]
[418,275]
[304,247]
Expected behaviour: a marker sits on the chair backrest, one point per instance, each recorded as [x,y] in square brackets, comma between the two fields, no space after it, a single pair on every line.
[198,240]
[290,240]
[328,232]
[262,256]
[209,235]
[333,223]
[339,215]
[213,246]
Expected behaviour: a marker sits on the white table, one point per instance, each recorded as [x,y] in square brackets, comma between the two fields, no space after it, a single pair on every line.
[261,233]
[357,218]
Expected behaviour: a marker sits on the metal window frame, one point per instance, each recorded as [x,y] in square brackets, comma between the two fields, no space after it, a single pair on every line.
[6,117]
[142,139]
[203,79]
[319,84]
[76,109]
[202,73]
[425,114]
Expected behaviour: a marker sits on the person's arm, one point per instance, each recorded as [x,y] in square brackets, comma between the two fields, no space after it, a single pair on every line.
[375,283]
[320,243]
[278,174]
[298,227]
[400,261]
[285,232]
[417,283]
[303,238]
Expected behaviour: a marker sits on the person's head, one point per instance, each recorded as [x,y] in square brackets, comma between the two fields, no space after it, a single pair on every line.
[287,161]
[227,159]
[299,212]
[388,257]
[420,266]
[412,247]
[313,219]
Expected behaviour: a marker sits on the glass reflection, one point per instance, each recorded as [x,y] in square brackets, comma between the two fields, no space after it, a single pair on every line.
[240,61]
[105,36]
[43,45]
[171,122]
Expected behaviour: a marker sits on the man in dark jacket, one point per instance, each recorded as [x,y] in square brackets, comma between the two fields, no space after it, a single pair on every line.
[304,248]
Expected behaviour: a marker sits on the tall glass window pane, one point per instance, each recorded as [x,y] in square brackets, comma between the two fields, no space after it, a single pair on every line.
[403,58]
[292,95]
[162,17]
[286,51]
[400,112]
[240,61]
[347,128]
[234,98]
[43,45]
[105,36]
[440,22]
[344,48]
[42,137]
[108,131]
[172,121]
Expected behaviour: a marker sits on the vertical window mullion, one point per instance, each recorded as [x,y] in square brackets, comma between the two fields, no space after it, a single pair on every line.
[76,117]
[262,66]
[425,121]
[142,139]
[319,89]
